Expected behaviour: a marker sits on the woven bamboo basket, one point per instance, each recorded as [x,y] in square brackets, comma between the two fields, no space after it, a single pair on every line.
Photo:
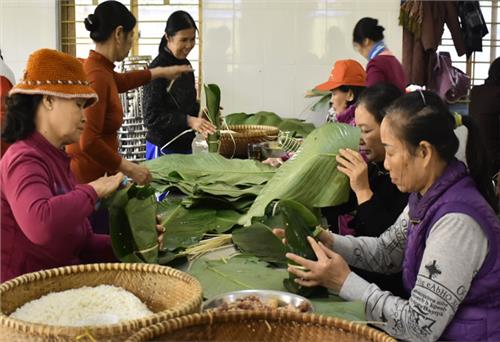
[249,326]
[236,144]
[167,292]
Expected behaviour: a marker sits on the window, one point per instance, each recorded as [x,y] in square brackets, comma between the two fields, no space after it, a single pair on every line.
[479,63]
[151,17]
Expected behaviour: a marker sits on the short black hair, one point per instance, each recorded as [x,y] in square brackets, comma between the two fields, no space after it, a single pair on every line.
[423,116]
[378,98]
[367,28]
[177,21]
[106,18]
[356,91]
[20,120]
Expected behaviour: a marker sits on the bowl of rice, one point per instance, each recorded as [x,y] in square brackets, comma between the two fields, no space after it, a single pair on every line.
[101,302]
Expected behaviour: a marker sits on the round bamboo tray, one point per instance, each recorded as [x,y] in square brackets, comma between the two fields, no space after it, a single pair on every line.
[167,292]
[236,144]
[249,326]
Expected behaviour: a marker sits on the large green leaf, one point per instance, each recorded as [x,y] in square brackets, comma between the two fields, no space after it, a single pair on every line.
[310,176]
[133,224]
[212,94]
[141,214]
[122,239]
[259,240]
[186,227]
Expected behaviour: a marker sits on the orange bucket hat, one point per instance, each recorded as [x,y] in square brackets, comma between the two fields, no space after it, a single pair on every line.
[345,72]
[50,72]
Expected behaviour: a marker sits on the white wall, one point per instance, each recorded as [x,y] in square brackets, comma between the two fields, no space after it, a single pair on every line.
[25,26]
[265,54]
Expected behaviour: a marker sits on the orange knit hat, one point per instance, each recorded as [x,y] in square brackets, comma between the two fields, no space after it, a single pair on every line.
[345,72]
[50,72]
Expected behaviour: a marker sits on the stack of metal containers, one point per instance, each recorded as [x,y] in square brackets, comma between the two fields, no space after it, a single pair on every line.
[132,134]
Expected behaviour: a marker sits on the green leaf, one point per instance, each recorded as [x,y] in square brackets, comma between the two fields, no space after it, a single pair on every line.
[310,176]
[212,94]
[322,103]
[184,227]
[298,127]
[259,240]
[122,239]
[225,220]
[141,214]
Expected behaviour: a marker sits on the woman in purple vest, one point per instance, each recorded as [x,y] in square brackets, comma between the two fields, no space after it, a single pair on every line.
[446,241]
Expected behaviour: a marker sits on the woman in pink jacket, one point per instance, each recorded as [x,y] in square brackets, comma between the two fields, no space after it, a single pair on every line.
[43,210]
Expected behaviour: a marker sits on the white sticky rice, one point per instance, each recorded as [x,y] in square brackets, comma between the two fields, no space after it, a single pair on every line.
[100,305]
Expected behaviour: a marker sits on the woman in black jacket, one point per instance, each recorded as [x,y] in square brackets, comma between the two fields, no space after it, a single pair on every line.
[375,202]
[170,107]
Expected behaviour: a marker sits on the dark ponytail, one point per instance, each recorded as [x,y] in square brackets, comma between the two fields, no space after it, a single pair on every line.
[422,115]
[367,28]
[480,166]
[378,98]
[21,112]
[178,21]
[494,73]
[106,18]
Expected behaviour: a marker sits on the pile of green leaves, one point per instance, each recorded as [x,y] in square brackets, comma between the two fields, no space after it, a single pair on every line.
[210,179]
[310,176]
[298,128]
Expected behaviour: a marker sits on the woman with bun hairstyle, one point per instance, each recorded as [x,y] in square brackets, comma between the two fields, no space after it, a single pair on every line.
[383,66]
[96,154]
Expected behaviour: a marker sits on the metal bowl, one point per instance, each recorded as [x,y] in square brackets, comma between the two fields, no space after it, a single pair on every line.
[283,298]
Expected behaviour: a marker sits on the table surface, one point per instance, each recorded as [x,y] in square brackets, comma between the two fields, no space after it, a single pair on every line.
[227,270]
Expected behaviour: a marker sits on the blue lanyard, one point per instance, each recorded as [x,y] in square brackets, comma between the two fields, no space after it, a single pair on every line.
[376,50]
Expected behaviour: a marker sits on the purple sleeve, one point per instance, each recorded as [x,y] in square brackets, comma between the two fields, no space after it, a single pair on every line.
[42,215]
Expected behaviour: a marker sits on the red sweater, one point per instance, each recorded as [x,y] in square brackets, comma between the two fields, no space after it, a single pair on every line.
[5,86]
[44,213]
[385,68]
[97,152]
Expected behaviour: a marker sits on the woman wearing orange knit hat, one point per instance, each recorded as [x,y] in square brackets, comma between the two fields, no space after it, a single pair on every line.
[111,28]
[43,209]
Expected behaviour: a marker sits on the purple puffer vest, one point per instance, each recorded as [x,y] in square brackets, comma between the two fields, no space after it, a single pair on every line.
[478,316]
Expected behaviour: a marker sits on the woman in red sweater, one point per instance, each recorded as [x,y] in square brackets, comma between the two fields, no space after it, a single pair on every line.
[96,154]
[43,210]
[383,66]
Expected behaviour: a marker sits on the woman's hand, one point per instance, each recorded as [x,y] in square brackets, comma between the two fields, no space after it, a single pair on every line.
[329,271]
[325,236]
[274,162]
[138,173]
[105,186]
[200,125]
[170,72]
[352,164]
[161,232]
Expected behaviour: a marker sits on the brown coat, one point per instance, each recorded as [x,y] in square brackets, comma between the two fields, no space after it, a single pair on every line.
[484,107]
[97,151]
[419,55]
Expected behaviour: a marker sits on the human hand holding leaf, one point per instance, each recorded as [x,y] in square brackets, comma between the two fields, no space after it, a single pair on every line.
[330,270]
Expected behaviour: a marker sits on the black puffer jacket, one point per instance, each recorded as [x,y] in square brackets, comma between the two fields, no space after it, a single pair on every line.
[165,114]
